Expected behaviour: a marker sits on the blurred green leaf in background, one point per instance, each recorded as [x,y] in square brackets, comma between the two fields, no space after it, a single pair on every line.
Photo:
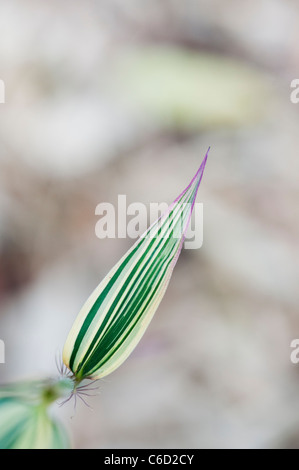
[187,91]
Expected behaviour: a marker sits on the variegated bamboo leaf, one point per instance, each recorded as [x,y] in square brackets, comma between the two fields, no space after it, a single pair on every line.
[117,313]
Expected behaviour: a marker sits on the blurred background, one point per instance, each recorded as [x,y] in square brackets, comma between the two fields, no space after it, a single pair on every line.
[107,97]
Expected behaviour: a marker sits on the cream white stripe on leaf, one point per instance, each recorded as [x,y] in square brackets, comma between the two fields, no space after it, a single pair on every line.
[116,315]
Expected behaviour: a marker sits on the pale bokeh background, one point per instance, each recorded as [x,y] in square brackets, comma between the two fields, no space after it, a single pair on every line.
[107,97]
